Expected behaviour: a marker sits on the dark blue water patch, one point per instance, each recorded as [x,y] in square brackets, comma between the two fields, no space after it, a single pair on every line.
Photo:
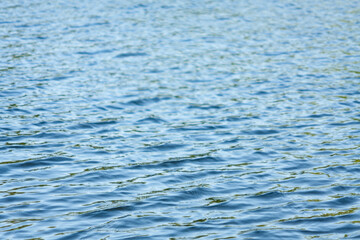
[164,147]
[335,169]
[354,170]
[347,227]
[320,115]
[344,123]
[9,138]
[204,106]
[109,212]
[15,110]
[7,22]
[95,52]
[27,25]
[114,107]
[263,153]
[323,152]
[134,54]
[198,80]
[338,203]
[40,109]
[105,131]
[198,231]
[296,165]
[40,38]
[311,192]
[261,93]
[51,161]
[58,78]
[150,120]
[233,148]
[91,125]
[4,167]
[100,108]
[97,152]
[155,71]
[145,101]
[292,149]
[260,132]
[342,188]
[232,140]
[10,93]
[348,104]
[15,199]
[37,38]
[44,123]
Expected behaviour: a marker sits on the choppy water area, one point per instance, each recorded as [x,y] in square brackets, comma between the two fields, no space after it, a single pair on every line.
[179,119]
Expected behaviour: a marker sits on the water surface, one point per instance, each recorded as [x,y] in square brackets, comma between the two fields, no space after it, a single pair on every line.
[179,119]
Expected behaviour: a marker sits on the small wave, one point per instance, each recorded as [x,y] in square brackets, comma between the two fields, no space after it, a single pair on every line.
[51,161]
[90,125]
[150,120]
[260,132]
[136,54]
[95,52]
[164,147]
[177,162]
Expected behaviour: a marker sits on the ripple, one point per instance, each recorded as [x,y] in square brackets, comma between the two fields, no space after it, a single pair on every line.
[44,162]
[177,162]
[149,120]
[260,132]
[90,125]
[164,147]
[95,52]
[135,54]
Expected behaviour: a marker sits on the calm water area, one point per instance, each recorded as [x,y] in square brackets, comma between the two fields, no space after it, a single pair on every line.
[182,119]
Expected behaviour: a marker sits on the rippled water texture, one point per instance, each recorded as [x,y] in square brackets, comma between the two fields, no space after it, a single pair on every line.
[180,119]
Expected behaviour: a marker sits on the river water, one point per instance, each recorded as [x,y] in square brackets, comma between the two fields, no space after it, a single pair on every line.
[179,119]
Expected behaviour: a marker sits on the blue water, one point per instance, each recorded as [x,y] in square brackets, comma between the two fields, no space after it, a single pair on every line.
[180,119]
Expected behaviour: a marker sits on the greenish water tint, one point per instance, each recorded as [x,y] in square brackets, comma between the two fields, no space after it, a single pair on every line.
[180,119]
